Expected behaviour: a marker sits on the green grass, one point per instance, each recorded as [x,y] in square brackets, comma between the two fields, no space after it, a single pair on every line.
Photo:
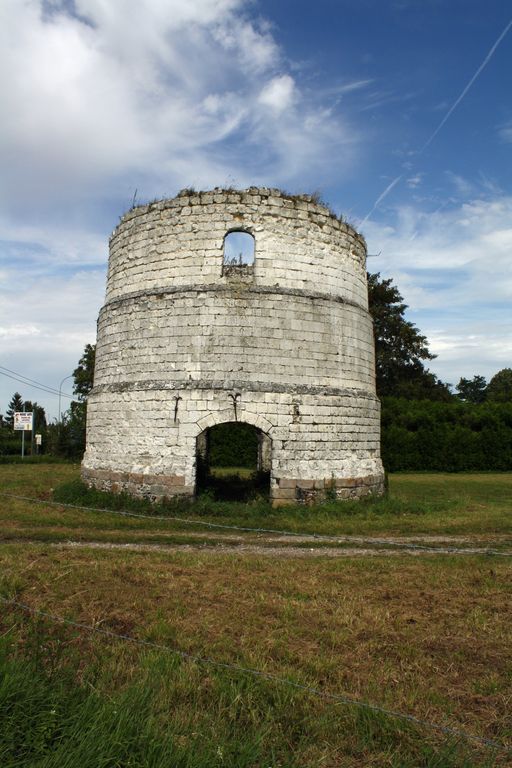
[428,636]
[43,459]
[242,472]
[165,716]
[431,503]
[172,713]
[472,505]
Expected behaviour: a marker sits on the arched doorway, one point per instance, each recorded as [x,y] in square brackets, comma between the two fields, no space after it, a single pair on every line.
[233,461]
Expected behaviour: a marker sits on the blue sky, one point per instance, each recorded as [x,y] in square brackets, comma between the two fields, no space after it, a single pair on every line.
[352,98]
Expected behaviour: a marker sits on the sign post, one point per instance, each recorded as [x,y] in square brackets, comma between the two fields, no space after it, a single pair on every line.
[23,422]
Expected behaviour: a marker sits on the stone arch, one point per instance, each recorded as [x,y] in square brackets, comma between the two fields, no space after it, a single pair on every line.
[239,248]
[262,455]
[226,415]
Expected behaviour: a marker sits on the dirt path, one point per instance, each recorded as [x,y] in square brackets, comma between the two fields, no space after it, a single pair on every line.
[267,548]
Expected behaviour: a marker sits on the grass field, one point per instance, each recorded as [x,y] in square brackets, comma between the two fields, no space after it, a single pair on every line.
[428,636]
[436,504]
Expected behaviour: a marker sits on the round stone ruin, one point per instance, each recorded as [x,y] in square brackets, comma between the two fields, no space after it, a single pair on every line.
[235,306]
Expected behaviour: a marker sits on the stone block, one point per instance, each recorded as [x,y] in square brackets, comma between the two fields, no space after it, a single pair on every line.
[285,493]
[278,502]
[287,482]
[306,483]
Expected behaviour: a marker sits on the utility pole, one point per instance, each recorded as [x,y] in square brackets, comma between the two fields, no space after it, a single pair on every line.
[60,393]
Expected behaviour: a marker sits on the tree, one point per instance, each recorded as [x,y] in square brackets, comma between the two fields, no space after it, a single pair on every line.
[15,406]
[472,390]
[400,348]
[499,389]
[83,374]
[39,415]
[73,434]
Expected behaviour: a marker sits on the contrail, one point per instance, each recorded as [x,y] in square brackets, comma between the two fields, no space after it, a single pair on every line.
[382,196]
[445,118]
[468,86]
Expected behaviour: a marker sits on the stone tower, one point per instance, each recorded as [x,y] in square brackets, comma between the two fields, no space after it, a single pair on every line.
[190,338]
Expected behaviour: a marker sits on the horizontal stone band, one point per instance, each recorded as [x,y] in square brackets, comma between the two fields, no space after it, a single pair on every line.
[230,385]
[228,289]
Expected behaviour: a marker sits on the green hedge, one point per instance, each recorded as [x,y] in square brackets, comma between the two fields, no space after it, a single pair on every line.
[234,444]
[10,442]
[42,459]
[447,437]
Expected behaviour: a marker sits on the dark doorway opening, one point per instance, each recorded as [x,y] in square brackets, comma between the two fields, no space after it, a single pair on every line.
[233,462]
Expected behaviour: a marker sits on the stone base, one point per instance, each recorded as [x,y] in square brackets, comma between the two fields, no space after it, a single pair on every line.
[285,491]
[152,487]
[294,491]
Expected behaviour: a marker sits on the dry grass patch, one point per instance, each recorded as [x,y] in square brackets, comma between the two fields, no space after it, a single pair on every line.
[428,637]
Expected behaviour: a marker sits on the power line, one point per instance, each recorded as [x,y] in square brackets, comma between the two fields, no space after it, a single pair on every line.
[33,386]
[31,382]
[206,660]
[247,529]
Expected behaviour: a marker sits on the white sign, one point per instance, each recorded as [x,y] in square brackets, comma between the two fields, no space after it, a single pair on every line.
[39,439]
[23,421]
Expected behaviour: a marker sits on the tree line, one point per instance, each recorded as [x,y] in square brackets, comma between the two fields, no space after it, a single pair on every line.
[426,423]
[64,438]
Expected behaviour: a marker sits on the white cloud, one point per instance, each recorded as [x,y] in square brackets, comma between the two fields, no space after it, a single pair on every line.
[48,246]
[505,132]
[453,268]
[16,331]
[140,91]
[278,94]
[472,350]
[413,182]
[462,186]
[474,237]
[254,49]
[100,98]
[354,85]
[59,318]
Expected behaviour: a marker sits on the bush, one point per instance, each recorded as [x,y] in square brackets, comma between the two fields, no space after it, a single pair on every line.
[234,444]
[44,459]
[446,437]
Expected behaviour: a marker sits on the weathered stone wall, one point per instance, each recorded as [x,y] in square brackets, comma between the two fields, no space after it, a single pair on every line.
[291,336]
